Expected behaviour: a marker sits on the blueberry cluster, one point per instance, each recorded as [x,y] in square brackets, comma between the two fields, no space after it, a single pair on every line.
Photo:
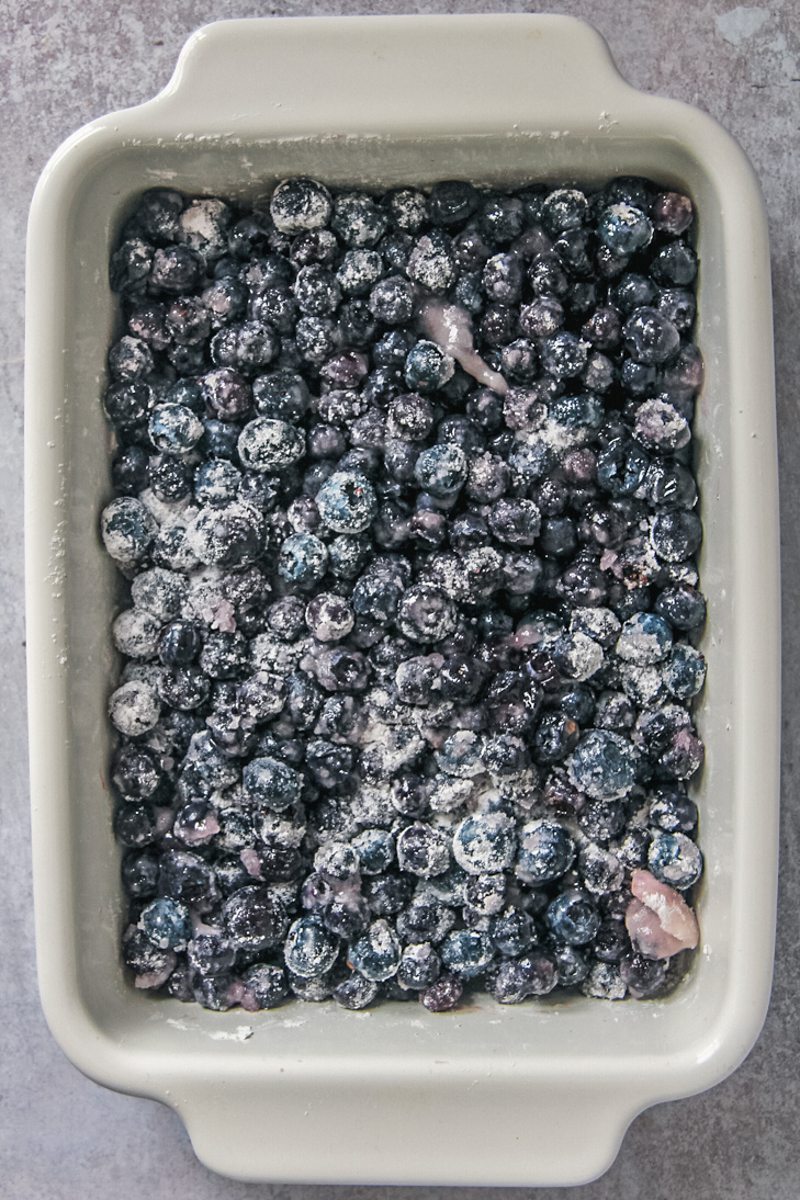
[404,496]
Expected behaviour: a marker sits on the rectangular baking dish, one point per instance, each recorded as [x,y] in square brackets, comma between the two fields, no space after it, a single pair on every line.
[530,1095]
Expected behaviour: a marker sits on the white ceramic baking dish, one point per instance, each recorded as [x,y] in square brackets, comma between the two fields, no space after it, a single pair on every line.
[536,1094]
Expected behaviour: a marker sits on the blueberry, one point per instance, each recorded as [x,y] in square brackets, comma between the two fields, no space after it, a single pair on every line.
[564,208]
[376,955]
[485,843]
[140,874]
[303,559]
[644,977]
[564,355]
[299,204]
[130,265]
[185,876]
[673,811]
[316,290]
[347,502]
[650,337]
[675,859]
[227,393]
[442,995]
[624,229]
[645,639]
[175,269]
[266,444]
[515,522]
[356,992]
[676,536]
[532,975]
[420,966]
[425,614]
[391,300]
[442,470]
[603,765]
[423,851]
[151,965]
[227,537]
[179,643]
[357,220]
[427,367]
[432,262]
[254,919]
[675,265]
[281,395]
[502,219]
[166,924]
[310,950]
[573,917]
[216,482]
[672,212]
[127,529]
[546,852]
[466,953]
[265,987]
[512,932]
[271,783]
[452,202]
[683,606]
[135,825]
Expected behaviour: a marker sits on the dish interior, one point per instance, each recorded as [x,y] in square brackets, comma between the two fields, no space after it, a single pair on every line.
[619,1034]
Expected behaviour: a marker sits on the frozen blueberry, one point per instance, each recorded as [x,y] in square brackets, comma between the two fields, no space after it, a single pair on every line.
[150,965]
[432,262]
[441,470]
[134,708]
[467,953]
[676,536]
[356,992]
[310,950]
[270,445]
[419,967]
[299,204]
[683,606]
[303,559]
[128,530]
[645,639]
[485,843]
[357,219]
[423,851]
[376,955]
[573,917]
[546,852]
[425,614]
[254,919]
[271,783]
[675,859]
[427,367]
[442,995]
[347,502]
[166,924]
[625,229]
[515,522]
[391,300]
[265,986]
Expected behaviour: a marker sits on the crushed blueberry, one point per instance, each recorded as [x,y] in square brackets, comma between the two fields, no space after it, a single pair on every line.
[404,498]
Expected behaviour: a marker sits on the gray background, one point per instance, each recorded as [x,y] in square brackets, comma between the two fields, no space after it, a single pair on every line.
[61,64]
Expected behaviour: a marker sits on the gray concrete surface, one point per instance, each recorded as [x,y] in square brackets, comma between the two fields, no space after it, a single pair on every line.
[62,63]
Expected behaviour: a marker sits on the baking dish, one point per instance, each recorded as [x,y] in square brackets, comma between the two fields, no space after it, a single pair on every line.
[530,1095]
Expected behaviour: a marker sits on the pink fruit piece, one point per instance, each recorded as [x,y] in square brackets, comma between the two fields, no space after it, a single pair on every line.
[658,919]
